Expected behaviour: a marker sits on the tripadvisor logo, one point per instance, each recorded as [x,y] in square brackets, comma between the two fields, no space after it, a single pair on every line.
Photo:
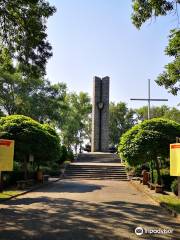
[139,231]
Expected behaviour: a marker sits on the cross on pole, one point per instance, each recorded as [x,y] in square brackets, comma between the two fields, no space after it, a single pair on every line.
[149,99]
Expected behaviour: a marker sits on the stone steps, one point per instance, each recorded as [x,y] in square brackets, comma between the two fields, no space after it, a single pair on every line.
[98,157]
[100,171]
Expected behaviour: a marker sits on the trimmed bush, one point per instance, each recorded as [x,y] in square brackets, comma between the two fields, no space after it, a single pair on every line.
[31,137]
[149,141]
[152,137]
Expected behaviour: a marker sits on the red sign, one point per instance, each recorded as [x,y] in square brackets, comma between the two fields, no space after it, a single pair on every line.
[6,143]
[175,146]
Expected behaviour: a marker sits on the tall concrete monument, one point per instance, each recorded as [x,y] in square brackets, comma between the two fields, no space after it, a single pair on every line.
[100,115]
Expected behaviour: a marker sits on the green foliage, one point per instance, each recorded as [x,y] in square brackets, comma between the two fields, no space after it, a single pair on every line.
[37,98]
[120,120]
[166,178]
[70,156]
[171,201]
[24,33]
[170,78]
[144,10]
[64,153]
[174,187]
[1,113]
[157,112]
[47,103]
[75,127]
[31,137]
[148,140]
[137,170]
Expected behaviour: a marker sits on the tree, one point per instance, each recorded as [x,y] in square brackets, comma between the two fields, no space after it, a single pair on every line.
[76,120]
[34,97]
[31,138]
[120,120]
[47,103]
[170,78]
[14,92]
[23,33]
[149,141]
[156,112]
[144,10]
[173,114]
[148,9]
[14,88]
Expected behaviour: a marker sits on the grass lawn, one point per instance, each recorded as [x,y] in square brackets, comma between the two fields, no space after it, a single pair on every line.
[171,201]
[7,194]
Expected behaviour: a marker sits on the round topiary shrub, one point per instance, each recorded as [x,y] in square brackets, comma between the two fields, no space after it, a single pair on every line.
[174,187]
[31,137]
[149,141]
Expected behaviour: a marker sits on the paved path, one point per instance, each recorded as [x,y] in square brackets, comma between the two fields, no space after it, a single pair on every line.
[83,210]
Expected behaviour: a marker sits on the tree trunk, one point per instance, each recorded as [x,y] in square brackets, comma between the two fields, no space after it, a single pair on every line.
[158,171]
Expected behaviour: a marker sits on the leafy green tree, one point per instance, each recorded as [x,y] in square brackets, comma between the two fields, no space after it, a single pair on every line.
[15,92]
[120,120]
[144,10]
[31,137]
[14,88]
[76,120]
[34,97]
[170,78]
[173,114]
[47,103]
[24,33]
[156,112]
[149,141]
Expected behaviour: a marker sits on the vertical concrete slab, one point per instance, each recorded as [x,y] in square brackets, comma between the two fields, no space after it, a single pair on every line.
[105,115]
[95,114]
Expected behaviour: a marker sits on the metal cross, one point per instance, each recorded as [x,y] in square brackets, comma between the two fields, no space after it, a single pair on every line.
[149,99]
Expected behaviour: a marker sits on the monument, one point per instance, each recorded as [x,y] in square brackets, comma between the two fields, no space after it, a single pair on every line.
[100,115]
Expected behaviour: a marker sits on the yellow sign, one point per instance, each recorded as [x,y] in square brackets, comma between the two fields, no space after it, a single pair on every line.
[175,159]
[6,154]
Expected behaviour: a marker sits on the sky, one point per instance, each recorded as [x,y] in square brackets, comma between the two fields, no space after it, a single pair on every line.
[97,38]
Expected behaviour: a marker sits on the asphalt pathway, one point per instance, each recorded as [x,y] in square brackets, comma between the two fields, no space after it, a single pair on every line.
[84,210]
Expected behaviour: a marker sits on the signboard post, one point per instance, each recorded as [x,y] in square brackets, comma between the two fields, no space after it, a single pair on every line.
[6,157]
[175,162]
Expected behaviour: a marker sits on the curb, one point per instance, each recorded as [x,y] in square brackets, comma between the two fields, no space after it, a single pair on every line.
[172,212]
[30,190]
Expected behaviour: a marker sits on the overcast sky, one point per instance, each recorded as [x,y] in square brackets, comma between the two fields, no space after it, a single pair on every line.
[96,37]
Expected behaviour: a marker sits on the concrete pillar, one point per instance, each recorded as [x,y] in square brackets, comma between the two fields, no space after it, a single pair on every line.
[100,115]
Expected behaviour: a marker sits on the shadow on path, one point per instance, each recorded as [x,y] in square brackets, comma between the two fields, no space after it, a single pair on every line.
[65,219]
[72,187]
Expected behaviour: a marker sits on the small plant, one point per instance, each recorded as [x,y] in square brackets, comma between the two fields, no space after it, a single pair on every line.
[174,187]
